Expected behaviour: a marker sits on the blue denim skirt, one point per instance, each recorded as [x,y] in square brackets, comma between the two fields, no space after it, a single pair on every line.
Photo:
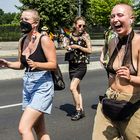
[38,91]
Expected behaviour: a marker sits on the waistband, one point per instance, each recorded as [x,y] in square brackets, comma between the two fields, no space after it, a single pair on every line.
[118,95]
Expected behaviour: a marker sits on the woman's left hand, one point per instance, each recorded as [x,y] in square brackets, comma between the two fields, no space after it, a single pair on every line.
[124,72]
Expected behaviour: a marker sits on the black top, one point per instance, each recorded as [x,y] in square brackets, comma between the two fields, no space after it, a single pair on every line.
[127,60]
[37,56]
[79,56]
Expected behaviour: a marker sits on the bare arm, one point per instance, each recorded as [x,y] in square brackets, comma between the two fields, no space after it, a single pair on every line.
[13,65]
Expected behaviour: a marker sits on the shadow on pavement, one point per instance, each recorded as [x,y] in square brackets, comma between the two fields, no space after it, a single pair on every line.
[68,108]
[94,106]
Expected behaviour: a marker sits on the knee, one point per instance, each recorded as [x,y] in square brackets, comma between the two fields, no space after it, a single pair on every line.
[23,130]
[20,129]
[73,89]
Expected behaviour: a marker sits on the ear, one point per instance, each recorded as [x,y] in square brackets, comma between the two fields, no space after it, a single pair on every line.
[132,19]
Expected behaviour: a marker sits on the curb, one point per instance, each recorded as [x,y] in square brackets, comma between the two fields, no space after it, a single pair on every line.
[7,74]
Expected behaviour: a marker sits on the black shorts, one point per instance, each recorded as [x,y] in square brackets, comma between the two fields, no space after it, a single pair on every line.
[77,70]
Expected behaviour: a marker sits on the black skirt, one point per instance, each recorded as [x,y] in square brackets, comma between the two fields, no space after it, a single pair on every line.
[77,70]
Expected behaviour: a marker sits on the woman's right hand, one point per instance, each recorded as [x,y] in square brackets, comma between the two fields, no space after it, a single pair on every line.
[3,63]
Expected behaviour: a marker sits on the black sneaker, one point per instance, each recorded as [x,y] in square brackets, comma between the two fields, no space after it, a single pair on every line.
[79,114]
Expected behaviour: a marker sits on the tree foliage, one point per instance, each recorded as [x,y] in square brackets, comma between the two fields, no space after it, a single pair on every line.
[61,13]
[137,13]
[54,13]
[99,11]
[6,18]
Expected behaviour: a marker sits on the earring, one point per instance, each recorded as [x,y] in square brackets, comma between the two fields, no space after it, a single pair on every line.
[131,21]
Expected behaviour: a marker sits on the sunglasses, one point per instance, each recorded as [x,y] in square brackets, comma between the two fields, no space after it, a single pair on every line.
[81,25]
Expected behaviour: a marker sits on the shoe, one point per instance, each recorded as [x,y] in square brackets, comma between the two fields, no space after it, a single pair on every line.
[79,114]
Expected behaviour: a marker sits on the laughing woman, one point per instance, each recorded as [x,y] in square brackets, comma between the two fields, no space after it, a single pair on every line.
[113,122]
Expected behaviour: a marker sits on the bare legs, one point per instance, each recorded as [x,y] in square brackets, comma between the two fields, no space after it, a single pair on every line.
[75,90]
[77,97]
[32,119]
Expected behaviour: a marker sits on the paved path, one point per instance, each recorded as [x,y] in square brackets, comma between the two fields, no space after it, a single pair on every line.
[8,49]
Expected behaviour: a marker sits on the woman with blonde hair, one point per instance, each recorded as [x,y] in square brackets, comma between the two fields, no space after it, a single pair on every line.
[38,56]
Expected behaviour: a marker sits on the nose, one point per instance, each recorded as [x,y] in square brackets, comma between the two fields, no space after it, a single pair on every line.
[114,18]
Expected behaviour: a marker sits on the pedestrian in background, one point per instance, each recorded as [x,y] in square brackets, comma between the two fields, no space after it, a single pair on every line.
[118,112]
[109,34]
[104,57]
[36,54]
[80,44]
[44,30]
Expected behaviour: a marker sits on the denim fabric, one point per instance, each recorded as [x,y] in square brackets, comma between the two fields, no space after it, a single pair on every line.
[38,91]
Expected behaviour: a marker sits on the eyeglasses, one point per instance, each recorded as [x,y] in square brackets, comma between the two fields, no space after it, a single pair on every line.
[81,25]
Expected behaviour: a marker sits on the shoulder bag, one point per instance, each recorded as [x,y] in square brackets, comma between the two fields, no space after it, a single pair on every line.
[57,76]
[119,110]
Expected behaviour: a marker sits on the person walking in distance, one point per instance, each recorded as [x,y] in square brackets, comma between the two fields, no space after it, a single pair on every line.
[80,45]
[38,56]
[118,112]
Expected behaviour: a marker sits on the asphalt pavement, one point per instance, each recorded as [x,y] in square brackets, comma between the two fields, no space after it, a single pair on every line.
[10,49]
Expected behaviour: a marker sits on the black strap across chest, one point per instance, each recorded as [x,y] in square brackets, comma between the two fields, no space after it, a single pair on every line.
[127,41]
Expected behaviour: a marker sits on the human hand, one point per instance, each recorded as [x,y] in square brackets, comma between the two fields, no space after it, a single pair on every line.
[3,63]
[74,46]
[31,64]
[124,72]
[68,48]
[85,37]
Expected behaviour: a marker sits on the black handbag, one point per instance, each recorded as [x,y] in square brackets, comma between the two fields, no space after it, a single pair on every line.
[69,56]
[57,76]
[118,110]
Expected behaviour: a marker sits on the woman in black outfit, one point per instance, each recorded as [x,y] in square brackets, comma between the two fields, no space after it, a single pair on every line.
[79,43]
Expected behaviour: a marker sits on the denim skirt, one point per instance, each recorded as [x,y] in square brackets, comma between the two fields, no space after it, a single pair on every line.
[38,91]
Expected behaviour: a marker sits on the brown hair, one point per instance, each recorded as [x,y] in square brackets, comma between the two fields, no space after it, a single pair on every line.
[75,22]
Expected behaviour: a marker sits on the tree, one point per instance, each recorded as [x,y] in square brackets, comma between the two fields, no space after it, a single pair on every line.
[99,11]
[137,13]
[54,13]
[1,16]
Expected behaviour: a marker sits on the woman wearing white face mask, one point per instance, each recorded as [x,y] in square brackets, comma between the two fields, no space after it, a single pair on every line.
[118,113]
[37,55]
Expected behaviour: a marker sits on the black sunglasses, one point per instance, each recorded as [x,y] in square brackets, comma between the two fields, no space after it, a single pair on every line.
[81,25]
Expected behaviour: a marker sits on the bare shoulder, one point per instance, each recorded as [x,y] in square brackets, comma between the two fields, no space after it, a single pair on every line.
[47,42]
[136,42]
[137,37]
[45,38]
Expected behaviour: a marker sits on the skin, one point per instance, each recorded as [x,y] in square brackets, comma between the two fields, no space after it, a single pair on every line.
[123,81]
[33,119]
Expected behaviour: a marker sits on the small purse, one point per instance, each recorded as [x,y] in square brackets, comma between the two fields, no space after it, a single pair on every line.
[57,77]
[69,56]
[118,110]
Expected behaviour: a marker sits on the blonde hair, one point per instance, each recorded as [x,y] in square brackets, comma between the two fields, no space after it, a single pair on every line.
[130,8]
[35,16]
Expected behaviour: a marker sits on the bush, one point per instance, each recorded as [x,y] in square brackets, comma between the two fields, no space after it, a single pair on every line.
[9,32]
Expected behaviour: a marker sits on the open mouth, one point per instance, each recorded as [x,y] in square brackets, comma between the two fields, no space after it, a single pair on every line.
[118,26]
